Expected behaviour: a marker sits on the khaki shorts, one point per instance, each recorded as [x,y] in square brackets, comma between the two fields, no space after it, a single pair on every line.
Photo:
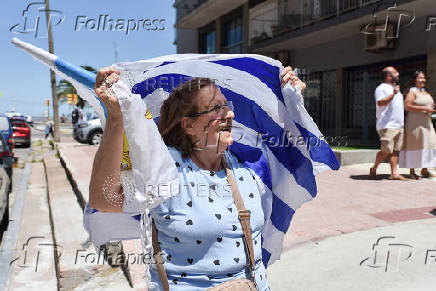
[391,139]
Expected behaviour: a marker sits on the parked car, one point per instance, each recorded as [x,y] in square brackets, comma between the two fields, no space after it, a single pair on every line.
[29,120]
[5,183]
[88,131]
[7,158]
[21,131]
[6,128]
[6,165]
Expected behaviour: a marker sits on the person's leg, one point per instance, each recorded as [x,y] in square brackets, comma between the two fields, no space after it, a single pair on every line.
[395,175]
[397,143]
[413,174]
[394,163]
[381,156]
[427,174]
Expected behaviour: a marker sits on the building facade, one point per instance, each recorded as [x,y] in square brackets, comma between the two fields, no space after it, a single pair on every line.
[338,46]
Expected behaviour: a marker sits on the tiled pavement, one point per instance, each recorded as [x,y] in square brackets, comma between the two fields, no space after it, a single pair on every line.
[347,200]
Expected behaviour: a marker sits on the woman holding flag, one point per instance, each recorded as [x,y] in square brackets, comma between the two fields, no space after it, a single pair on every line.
[205,235]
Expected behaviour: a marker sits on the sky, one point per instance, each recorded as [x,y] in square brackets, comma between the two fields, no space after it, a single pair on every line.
[25,83]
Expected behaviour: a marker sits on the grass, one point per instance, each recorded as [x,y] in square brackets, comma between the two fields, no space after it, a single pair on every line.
[350,148]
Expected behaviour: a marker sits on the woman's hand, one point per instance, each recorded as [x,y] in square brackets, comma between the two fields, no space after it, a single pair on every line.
[106,77]
[288,75]
[429,109]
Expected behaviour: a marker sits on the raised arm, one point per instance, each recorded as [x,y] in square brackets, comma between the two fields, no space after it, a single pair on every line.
[388,99]
[106,167]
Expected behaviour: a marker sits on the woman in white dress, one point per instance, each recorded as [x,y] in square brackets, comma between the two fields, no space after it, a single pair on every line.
[419,146]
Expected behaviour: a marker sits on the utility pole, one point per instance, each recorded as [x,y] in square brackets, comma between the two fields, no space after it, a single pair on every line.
[52,75]
[115,52]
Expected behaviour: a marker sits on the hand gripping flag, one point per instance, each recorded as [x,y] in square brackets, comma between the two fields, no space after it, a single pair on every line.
[272,131]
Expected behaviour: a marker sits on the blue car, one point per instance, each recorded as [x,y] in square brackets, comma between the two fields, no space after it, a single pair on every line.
[5,127]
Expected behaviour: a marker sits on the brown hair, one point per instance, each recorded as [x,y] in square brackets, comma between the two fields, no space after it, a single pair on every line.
[181,102]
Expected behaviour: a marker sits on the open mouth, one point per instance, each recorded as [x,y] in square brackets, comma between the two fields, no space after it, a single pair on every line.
[225,126]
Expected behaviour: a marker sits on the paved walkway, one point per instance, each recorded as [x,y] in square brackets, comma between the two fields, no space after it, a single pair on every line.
[347,202]
[397,257]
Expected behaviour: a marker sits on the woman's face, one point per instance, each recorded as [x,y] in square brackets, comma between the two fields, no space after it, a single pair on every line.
[420,80]
[211,130]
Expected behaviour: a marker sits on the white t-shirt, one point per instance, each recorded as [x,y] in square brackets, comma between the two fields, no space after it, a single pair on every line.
[391,115]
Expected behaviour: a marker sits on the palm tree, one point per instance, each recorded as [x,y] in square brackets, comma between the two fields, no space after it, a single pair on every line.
[64,87]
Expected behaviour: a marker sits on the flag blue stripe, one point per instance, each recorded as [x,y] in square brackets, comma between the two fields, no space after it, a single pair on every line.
[167,82]
[79,74]
[266,73]
[281,214]
[319,152]
[250,114]
[265,256]
[255,160]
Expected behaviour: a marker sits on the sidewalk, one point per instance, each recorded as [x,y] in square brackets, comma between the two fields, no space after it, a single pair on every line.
[403,259]
[347,202]
[52,250]
[78,159]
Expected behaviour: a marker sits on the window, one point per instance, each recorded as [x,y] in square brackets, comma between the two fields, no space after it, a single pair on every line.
[4,123]
[207,39]
[232,32]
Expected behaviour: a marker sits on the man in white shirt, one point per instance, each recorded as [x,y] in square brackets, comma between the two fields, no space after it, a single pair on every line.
[390,122]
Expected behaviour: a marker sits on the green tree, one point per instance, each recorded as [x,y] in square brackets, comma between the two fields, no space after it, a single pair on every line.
[64,87]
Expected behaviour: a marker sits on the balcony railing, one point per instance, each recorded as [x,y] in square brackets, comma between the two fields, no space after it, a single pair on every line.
[296,14]
[185,7]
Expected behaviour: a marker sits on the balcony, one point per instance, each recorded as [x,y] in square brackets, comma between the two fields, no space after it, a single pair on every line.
[308,12]
[304,23]
[194,14]
[185,7]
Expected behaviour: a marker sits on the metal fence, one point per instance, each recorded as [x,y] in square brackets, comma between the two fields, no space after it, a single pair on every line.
[358,116]
[295,14]
[358,104]
[320,98]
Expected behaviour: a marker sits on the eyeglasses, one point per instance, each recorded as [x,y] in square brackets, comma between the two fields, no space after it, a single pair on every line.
[217,109]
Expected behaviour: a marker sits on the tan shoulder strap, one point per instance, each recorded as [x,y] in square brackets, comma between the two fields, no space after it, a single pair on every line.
[244,218]
[157,256]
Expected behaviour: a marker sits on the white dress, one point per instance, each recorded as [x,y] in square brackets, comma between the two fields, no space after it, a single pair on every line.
[419,145]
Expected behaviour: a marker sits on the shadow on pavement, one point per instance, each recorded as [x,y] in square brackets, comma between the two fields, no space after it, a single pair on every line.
[367,177]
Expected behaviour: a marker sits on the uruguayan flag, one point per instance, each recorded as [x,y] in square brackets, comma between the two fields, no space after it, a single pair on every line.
[273,134]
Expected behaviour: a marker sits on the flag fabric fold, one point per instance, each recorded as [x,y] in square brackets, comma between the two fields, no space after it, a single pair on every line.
[273,135]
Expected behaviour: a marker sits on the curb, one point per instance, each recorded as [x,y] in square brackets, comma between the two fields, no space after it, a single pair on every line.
[10,239]
[80,199]
[352,157]
[82,202]
[50,213]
